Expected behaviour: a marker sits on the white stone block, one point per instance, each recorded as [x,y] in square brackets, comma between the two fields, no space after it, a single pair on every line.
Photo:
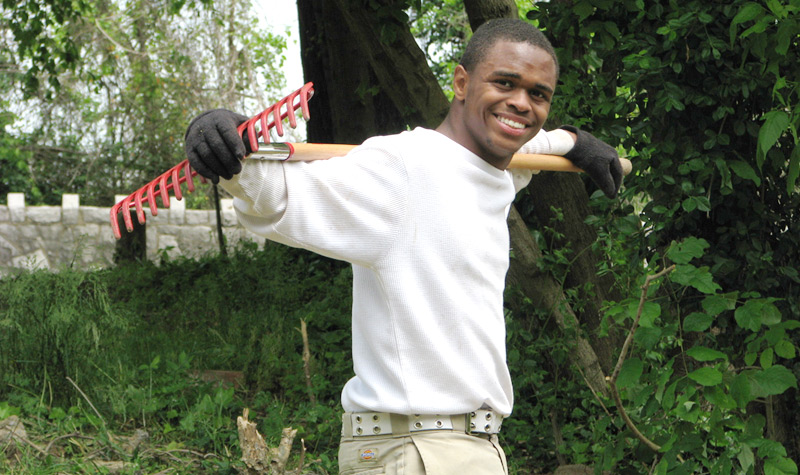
[54,233]
[16,207]
[151,242]
[32,261]
[97,215]
[5,215]
[7,250]
[194,217]
[169,244]
[227,212]
[44,214]
[161,218]
[177,210]
[70,208]
[198,239]
[105,240]
[26,238]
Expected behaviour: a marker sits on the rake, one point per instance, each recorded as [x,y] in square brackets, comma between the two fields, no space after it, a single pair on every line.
[172,179]
[258,127]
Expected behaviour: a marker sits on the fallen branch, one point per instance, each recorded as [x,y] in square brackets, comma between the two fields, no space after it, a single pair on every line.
[260,458]
[74,435]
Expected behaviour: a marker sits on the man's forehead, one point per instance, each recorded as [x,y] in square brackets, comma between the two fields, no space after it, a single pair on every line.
[523,48]
[518,57]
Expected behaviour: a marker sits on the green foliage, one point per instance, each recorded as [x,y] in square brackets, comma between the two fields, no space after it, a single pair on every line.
[112,117]
[14,163]
[705,400]
[131,338]
[55,326]
[442,28]
[703,96]
[43,33]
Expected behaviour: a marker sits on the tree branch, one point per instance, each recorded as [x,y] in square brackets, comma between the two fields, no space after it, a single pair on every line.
[612,381]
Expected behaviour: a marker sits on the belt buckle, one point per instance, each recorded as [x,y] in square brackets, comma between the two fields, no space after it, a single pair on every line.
[485,421]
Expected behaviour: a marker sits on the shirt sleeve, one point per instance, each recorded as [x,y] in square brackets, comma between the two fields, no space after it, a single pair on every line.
[346,208]
[259,190]
[554,142]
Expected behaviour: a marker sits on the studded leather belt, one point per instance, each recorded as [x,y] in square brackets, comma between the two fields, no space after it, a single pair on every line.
[366,424]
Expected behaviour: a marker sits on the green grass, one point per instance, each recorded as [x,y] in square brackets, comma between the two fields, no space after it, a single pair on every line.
[89,358]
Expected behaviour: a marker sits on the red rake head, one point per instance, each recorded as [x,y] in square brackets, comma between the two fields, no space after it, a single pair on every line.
[172,179]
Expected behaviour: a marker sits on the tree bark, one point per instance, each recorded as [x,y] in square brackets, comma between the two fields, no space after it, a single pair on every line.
[566,191]
[546,293]
[364,87]
[481,11]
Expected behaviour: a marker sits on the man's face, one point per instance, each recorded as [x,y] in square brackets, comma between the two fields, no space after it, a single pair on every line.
[506,99]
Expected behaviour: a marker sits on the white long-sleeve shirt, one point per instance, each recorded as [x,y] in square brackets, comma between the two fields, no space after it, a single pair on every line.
[423,222]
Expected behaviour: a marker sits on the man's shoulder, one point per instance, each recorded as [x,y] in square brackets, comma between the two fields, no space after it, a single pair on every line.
[408,138]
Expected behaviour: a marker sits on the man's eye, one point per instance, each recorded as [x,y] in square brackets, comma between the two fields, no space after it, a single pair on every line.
[539,95]
[503,82]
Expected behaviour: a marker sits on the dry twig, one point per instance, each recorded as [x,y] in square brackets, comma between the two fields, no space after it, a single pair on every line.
[612,380]
[307,361]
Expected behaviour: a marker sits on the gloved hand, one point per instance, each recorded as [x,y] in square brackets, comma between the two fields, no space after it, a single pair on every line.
[213,145]
[598,159]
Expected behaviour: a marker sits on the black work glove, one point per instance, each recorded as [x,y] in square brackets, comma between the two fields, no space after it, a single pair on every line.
[213,145]
[598,159]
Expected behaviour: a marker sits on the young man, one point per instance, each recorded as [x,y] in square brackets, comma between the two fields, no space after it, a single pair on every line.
[421,216]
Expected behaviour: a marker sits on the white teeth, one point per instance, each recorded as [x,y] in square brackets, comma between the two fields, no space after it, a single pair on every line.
[511,123]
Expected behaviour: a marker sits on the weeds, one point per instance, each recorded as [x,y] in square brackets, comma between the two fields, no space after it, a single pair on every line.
[90,358]
[100,367]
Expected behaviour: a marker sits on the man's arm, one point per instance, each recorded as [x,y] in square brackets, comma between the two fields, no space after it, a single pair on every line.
[598,159]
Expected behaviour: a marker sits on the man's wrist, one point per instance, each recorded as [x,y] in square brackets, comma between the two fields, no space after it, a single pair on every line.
[561,141]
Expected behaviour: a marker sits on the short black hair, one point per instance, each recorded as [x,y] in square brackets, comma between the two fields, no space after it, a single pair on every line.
[508,29]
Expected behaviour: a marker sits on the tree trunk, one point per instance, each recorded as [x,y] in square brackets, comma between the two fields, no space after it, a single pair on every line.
[480,11]
[346,107]
[546,293]
[363,86]
[566,191]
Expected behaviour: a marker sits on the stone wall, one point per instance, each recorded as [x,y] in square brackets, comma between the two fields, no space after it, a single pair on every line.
[52,237]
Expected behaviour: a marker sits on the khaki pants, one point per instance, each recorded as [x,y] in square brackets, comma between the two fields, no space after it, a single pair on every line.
[422,453]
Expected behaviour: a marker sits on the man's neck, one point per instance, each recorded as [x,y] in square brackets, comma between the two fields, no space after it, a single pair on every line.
[447,129]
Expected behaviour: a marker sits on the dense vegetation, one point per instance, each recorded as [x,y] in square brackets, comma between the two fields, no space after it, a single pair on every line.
[115,350]
[703,96]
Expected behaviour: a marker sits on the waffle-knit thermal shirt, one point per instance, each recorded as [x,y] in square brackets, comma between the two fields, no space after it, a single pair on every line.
[422,220]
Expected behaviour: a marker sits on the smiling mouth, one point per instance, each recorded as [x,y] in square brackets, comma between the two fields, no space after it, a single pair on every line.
[511,123]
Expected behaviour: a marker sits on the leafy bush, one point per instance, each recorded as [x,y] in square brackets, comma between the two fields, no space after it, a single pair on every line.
[698,402]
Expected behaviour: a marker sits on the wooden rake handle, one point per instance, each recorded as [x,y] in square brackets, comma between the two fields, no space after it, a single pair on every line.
[314,151]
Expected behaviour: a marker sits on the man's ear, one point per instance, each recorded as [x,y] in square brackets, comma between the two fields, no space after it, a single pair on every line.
[460,83]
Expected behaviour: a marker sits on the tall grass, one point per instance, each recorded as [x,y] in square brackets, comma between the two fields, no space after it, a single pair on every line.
[126,340]
[54,327]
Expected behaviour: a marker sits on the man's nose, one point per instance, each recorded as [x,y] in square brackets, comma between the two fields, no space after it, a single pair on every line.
[520,100]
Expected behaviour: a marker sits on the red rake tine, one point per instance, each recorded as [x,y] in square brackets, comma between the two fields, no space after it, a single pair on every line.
[138,198]
[302,95]
[172,178]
